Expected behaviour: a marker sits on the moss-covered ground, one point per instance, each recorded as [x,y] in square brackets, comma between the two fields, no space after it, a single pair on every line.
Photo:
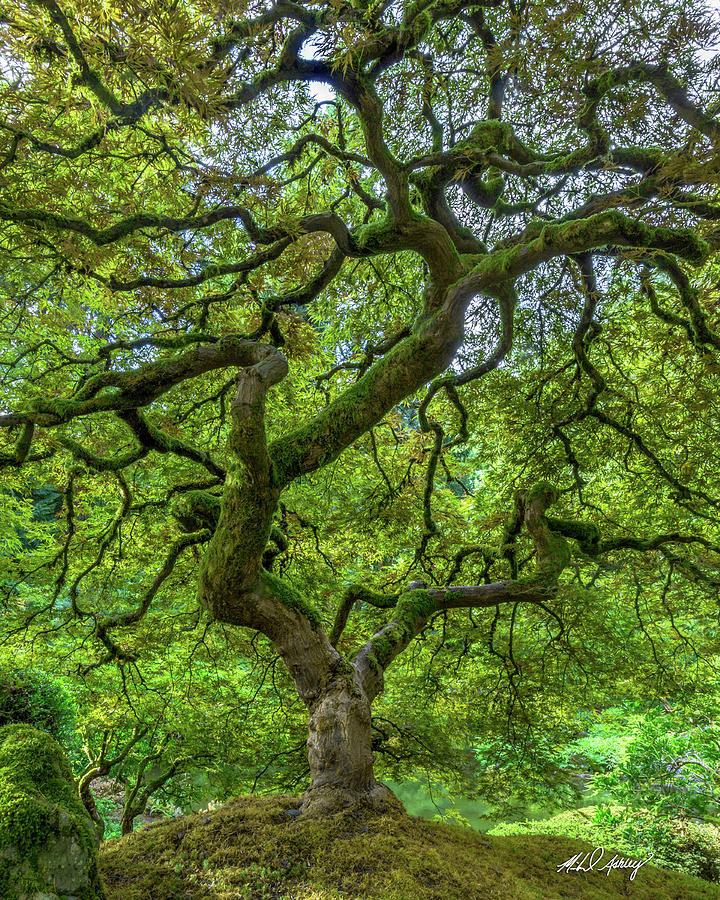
[252,849]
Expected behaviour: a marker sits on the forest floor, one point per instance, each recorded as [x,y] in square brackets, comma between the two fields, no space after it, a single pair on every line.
[254,848]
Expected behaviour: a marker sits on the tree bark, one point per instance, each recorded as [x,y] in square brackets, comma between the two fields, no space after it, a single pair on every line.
[127,823]
[339,751]
[86,795]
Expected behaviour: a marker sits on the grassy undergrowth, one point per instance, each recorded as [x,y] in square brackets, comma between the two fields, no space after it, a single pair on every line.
[252,849]
[680,844]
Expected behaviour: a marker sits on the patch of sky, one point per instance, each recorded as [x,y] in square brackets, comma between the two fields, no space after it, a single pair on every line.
[312,50]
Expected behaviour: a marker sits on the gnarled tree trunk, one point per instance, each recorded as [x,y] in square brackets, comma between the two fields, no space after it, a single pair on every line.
[236,588]
[339,752]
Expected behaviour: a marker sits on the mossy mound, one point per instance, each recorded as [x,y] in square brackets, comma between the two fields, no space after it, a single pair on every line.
[47,840]
[253,849]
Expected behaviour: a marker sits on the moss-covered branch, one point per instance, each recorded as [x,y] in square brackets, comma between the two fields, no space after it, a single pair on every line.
[410,614]
[119,391]
[154,438]
[414,607]
[356,595]
[414,360]
[667,86]
[611,228]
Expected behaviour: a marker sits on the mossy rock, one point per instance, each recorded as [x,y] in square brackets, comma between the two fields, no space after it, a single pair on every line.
[48,847]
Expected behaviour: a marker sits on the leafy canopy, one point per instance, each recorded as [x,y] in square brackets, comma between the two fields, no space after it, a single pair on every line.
[483,235]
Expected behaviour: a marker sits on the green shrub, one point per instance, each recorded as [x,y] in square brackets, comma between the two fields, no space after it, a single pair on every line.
[680,844]
[29,697]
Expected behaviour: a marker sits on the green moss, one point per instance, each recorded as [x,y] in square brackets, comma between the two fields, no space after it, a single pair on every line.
[278,538]
[29,697]
[414,605]
[587,534]
[37,791]
[491,134]
[374,236]
[389,379]
[33,769]
[283,591]
[411,612]
[372,598]
[63,409]
[300,451]
[550,563]
[609,227]
[195,510]
[494,187]
[382,648]
[542,489]
[252,848]
[498,265]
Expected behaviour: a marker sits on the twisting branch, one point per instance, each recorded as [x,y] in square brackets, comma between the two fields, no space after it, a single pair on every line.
[154,438]
[412,609]
[104,626]
[665,83]
[698,329]
[449,382]
[355,595]
[233,561]
[138,794]
[99,766]
[586,331]
[140,387]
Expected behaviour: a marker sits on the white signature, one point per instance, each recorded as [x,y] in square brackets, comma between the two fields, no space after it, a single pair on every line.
[588,862]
